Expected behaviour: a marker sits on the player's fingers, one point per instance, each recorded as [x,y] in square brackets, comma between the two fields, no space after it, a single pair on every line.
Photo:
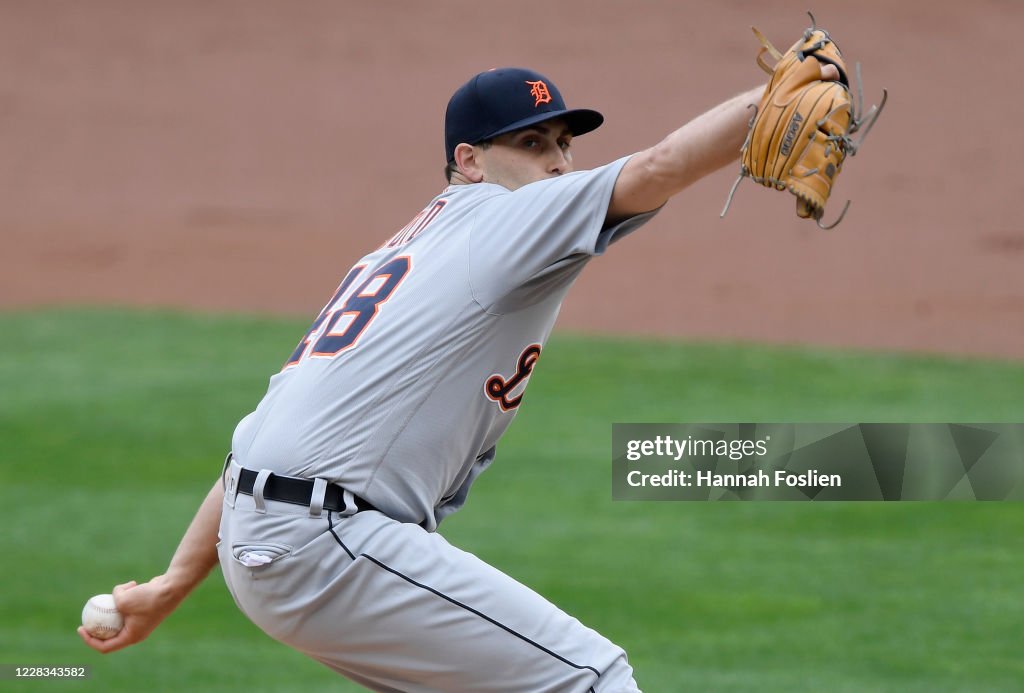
[829,72]
[104,646]
[124,586]
[119,592]
[92,642]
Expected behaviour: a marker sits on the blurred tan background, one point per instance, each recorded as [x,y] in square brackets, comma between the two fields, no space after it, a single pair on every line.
[243,154]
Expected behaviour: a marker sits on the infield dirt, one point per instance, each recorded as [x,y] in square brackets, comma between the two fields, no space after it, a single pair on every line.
[242,155]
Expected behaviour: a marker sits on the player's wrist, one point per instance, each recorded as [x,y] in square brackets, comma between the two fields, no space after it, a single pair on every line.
[173,586]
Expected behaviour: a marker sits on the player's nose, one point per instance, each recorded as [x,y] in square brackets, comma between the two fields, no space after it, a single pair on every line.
[561,162]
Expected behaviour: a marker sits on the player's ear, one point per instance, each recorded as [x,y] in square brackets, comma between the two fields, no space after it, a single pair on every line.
[469,163]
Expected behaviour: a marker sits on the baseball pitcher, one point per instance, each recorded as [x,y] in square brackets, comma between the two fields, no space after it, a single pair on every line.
[393,402]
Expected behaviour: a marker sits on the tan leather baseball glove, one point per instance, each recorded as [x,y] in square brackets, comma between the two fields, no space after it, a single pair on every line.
[802,130]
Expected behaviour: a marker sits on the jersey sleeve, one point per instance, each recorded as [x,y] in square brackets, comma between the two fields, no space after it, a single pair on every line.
[520,235]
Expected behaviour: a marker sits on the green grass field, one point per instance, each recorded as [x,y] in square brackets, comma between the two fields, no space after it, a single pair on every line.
[113,424]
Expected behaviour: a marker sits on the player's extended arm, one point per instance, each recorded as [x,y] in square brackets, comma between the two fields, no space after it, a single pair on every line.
[145,606]
[702,146]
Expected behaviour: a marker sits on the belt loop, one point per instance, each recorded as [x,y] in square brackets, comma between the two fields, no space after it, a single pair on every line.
[257,490]
[350,503]
[224,471]
[316,502]
[230,478]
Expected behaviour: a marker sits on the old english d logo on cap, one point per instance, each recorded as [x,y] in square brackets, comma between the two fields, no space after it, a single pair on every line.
[539,91]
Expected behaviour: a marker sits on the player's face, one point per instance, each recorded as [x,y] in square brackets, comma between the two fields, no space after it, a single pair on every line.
[528,155]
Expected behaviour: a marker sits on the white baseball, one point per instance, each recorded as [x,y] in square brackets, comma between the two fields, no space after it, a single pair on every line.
[101,617]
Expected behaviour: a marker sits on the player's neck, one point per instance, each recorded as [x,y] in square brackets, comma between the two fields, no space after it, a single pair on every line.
[459,179]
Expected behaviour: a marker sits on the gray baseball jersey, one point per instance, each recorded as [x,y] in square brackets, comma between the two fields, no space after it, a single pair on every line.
[399,393]
[417,365]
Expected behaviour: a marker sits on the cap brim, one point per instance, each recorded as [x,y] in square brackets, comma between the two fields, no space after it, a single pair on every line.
[580,121]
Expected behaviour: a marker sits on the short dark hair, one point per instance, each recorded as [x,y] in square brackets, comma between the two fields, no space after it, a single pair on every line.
[453,167]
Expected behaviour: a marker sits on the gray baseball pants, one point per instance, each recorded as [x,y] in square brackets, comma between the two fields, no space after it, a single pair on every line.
[396,608]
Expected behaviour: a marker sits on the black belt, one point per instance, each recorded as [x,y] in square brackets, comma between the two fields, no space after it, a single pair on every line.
[290,489]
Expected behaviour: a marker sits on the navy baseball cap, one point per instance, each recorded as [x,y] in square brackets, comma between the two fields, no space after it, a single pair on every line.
[507,99]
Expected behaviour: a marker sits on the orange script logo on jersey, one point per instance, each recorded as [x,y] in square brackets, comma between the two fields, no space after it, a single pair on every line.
[499,389]
[539,91]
